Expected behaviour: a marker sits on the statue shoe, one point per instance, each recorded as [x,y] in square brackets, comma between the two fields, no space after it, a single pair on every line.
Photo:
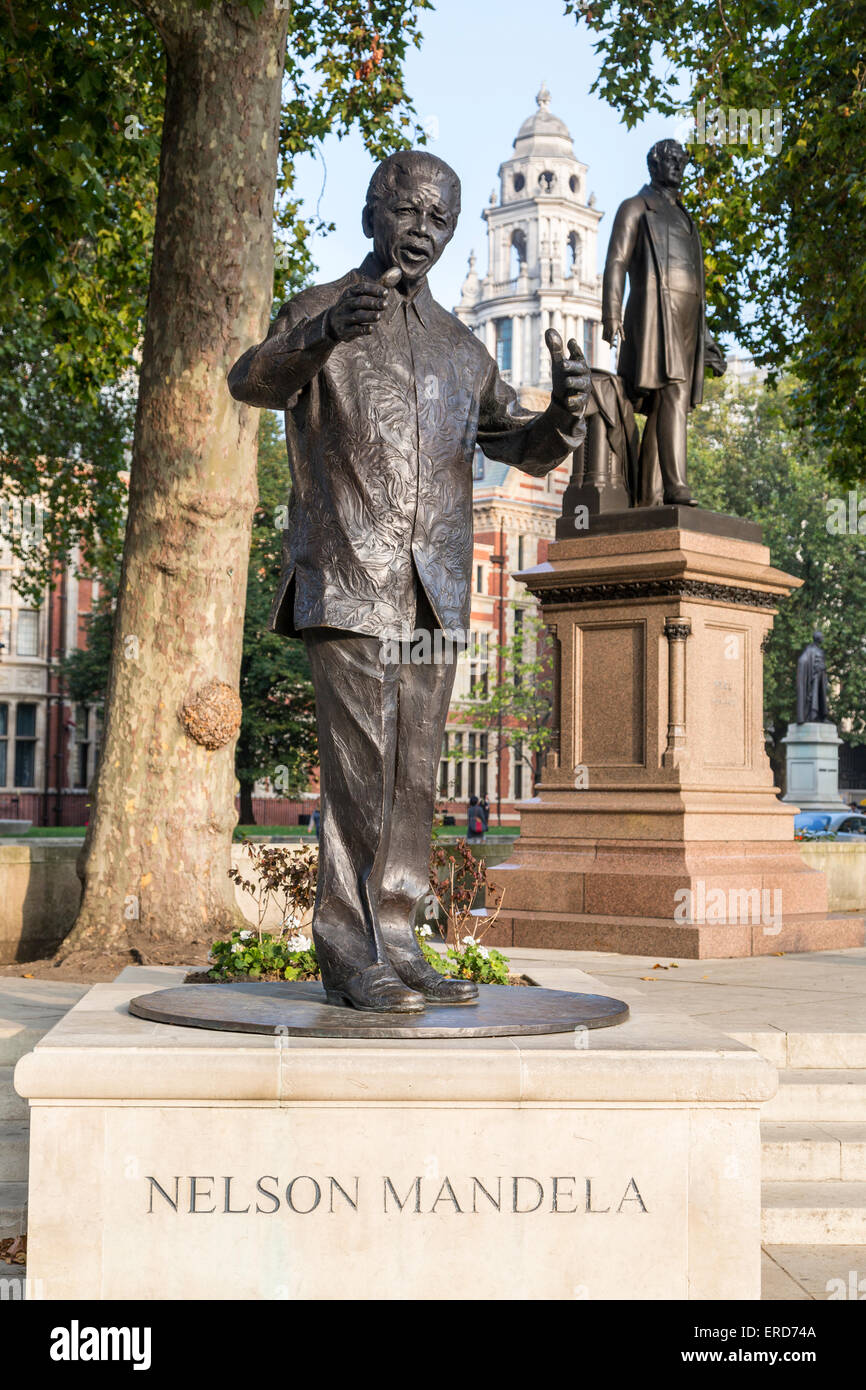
[679,497]
[437,989]
[377,989]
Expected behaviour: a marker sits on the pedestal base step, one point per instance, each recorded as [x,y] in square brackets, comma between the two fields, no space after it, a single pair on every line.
[687,941]
[813,1213]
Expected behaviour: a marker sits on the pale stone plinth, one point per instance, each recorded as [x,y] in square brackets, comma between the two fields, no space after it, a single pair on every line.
[812,767]
[656,826]
[624,1168]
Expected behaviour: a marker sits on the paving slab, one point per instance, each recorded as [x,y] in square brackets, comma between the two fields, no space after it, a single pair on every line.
[833,1273]
[777,1284]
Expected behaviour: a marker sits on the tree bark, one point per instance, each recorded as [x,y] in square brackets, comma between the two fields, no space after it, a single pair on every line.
[157,853]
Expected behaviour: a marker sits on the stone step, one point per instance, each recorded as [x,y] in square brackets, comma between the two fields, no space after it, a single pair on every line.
[14,1150]
[832,1152]
[12,1106]
[814,1096]
[813,1213]
[825,1050]
[13,1209]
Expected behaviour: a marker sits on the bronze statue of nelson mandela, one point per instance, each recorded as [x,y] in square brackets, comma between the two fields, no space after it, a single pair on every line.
[386,396]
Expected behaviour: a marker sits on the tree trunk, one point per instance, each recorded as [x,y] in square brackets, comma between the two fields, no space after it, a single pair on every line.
[246,814]
[156,858]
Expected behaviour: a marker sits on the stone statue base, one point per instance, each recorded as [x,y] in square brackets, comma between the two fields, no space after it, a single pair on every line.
[812,767]
[175,1163]
[656,828]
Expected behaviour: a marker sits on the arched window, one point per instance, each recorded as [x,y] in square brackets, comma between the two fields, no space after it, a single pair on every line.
[546,180]
[573,255]
[518,252]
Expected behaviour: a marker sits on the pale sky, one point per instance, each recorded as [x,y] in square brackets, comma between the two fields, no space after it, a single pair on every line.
[477,73]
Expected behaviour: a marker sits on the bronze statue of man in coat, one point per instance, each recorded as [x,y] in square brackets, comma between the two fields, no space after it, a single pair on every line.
[386,396]
[664,345]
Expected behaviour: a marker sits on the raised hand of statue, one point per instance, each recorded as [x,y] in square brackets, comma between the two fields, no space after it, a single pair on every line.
[611,330]
[570,377]
[360,307]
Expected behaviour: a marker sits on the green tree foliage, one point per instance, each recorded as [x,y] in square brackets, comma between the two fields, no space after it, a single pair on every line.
[82,85]
[784,222]
[278,730]
[748,457]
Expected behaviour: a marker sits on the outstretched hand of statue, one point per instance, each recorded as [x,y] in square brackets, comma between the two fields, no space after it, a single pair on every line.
[570,377]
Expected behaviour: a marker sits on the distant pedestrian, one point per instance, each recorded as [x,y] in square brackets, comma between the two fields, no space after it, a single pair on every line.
[475,826]
[314,821]
[484,803]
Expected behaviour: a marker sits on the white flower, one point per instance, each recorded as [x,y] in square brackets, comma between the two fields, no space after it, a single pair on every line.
[468,941]
[236,946]
[424,930]
[483,952]
[245,935]
[299,943]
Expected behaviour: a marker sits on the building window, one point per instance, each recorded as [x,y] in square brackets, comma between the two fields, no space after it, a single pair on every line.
[482,765]
[82,745]
[479,579]
[546,181]
[574,184]
[518,771]
[518,644]
[520,552]
[479,665]
[443,768]
[458,767]
[27,632]
[519,183]
[4,743]
[5,630]
[573,254]
[25,746]
[589,340]
[518,252]
[503,344]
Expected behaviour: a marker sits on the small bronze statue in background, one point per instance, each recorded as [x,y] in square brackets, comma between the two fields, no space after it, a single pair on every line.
[386,396]
[812,683]
[664,345]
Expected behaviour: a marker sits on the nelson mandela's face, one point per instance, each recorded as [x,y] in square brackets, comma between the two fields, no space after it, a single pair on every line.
[413,222]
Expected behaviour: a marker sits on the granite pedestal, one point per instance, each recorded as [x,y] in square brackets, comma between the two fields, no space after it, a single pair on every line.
[656,826]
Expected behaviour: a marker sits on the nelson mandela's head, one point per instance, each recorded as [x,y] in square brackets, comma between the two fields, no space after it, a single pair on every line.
[413,203]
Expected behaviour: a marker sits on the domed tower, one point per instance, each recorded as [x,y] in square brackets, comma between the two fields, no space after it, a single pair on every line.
[542,233]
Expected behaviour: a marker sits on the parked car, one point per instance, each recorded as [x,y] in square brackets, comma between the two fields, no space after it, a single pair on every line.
[829,825]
